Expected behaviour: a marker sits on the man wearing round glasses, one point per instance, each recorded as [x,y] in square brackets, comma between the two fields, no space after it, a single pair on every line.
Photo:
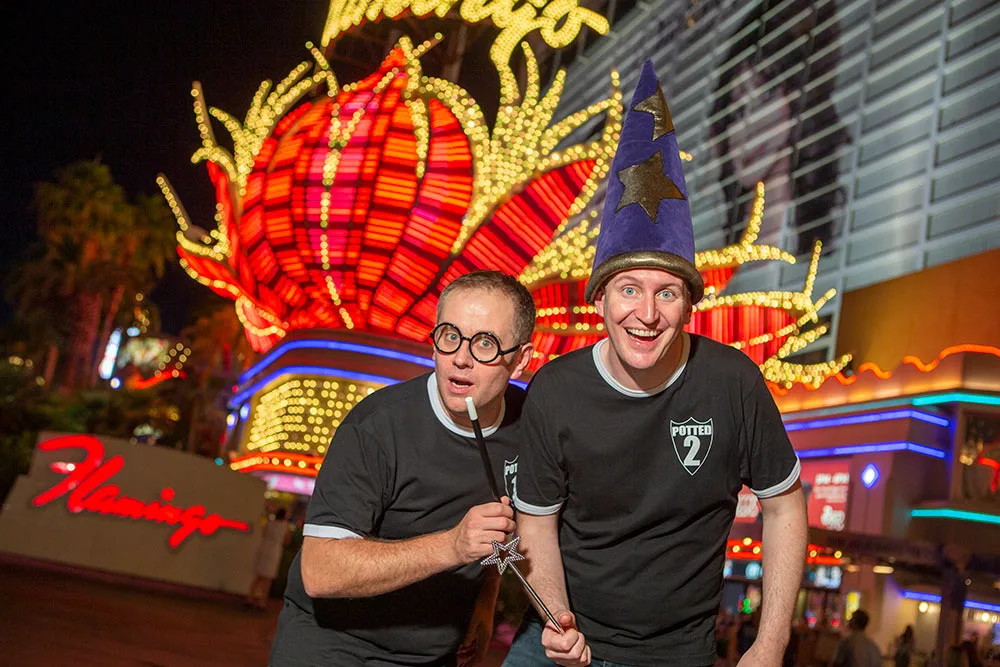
[484,346]
[457,377]
[388,573]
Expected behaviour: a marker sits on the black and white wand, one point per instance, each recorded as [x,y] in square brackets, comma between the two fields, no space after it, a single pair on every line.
[503,555]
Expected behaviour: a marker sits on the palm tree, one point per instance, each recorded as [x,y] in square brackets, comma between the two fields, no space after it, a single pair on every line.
[38,293]
[101,252]
[140,263]
[80,216]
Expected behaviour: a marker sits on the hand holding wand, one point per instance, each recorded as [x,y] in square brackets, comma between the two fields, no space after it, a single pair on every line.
[503,555]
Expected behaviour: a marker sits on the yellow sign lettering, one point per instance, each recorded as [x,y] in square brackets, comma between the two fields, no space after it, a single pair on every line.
[558,22]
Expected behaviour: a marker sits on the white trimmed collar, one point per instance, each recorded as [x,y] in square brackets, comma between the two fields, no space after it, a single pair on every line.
[442,415]
[641,393]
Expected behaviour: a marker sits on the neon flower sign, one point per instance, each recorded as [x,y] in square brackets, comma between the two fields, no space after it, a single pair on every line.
[352,205]
[354,209]
[86,484]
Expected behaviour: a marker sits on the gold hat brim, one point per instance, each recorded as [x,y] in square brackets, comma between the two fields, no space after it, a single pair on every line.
[646,259]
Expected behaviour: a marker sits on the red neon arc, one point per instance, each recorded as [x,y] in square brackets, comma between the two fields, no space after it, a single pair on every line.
[88,492]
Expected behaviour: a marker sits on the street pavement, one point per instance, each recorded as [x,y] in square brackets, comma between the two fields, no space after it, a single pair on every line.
[52,617]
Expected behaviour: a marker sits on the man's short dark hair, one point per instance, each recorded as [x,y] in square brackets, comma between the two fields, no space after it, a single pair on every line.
[495,281]
[859,620]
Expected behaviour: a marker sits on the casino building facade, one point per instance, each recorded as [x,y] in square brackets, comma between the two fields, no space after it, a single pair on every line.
[901,464]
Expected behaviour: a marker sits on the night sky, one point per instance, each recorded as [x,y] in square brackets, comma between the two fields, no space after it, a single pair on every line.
[112,79]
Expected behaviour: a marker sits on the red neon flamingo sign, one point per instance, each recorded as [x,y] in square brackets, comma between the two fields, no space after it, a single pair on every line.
[89,491]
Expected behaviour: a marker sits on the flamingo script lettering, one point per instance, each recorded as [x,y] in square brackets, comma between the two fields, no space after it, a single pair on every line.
[86,484]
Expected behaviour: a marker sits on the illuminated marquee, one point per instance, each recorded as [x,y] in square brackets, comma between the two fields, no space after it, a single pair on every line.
[86,484]
[353,210]
[558,22]
[827,486]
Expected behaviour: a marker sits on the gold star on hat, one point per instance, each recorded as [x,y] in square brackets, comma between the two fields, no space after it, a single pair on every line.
[656,106]
[647,185]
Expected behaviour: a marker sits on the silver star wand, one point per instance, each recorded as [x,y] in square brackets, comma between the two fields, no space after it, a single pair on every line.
[503,555]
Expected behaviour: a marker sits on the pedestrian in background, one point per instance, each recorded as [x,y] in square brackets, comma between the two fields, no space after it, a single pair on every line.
[276,538]
[904,648]
[857,649]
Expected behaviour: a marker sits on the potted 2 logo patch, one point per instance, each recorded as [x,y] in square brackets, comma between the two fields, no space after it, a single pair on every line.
[692,442]
[510,477]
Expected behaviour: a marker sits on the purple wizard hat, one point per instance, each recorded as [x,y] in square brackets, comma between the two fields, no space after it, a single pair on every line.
[647,218]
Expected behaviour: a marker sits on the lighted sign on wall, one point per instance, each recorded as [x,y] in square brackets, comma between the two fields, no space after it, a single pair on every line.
[86,484]
[826,576]
[826,484]
[157,513]
[558,23]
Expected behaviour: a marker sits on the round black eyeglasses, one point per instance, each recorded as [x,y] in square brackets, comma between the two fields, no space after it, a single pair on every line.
[484,346]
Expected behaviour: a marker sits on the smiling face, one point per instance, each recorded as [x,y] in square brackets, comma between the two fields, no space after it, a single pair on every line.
[644,312]
[459,374]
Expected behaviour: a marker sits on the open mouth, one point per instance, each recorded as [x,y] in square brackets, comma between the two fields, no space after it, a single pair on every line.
[643,335]
[458,385]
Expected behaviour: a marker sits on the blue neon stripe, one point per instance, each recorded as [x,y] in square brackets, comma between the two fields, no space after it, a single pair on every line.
[961,515]
[245,394]
[926,451]
[868,418]
[970,604]
[309,370]
[336,346]
[847,450]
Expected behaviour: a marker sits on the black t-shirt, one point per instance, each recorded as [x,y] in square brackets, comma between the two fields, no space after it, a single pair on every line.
[647,484]
[398,467]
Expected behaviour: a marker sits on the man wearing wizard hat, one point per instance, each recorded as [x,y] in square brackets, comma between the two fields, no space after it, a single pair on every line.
[634,450]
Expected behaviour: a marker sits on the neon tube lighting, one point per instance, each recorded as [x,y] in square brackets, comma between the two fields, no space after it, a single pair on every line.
[870,475]
[957,397]
[969,604]
[901,402]
[336,346]
[961,515]
[243,395]
[850,408]
[873,448]
[868,418]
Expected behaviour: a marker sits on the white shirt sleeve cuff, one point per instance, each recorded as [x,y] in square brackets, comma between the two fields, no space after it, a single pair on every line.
[782,486]
[328,532]
[537,510]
